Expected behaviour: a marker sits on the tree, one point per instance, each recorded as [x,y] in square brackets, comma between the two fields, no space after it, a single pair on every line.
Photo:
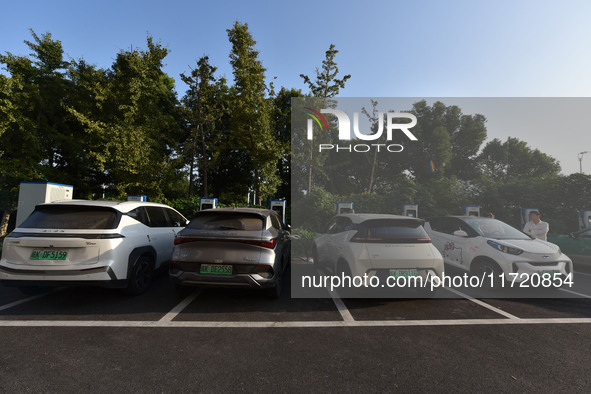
[281,125]
[514,160]
[204,106]
[32,116]
[144,125]
[250,119]
[325,86]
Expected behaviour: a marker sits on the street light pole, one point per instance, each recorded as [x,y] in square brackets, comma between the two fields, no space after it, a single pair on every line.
[581,161]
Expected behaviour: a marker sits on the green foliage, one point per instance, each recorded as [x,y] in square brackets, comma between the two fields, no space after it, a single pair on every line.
[122,130]
[303,246]
[204,106]
[250,128]
[327,84]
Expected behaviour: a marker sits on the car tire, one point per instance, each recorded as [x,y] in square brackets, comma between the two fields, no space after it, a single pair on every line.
[274,292]
[315,259]
[484,268]
[141,275]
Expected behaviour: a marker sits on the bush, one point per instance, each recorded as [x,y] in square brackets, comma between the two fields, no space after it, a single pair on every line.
[303,246]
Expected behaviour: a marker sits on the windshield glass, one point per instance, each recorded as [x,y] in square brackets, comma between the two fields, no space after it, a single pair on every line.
[493,228]
[391,231]
[69,217]
[227,221]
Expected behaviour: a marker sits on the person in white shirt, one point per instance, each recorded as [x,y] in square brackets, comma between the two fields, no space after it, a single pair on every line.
[536,227]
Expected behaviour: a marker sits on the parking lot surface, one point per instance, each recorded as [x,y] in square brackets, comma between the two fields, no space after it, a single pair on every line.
[75,339]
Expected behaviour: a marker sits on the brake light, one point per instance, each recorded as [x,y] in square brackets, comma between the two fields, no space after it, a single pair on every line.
[270,244]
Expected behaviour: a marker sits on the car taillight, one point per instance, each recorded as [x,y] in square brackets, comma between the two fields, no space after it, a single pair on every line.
[263,243]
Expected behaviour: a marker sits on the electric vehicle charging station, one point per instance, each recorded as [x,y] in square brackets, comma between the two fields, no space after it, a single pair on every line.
[584,219]
[32,193]
[471,210]
[137,198]
[279,207]
[208,203]
[344,207]
[410,210]
[525,215]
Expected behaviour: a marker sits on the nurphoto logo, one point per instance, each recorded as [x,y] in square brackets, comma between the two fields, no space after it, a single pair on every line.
[344,125]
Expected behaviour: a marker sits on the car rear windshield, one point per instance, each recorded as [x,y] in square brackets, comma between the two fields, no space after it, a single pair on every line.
[227,221]
[72,218]
[391,231]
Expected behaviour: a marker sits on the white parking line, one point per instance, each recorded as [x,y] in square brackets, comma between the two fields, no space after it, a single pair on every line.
[575,293]
[341,307]
[484,304]
[179,307]
[289,324]
[23,300]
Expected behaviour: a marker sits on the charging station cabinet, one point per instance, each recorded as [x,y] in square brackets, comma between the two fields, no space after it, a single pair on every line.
[344,207]
[525,215]
[471,210]
[32,193]
[208,203]
[279,207]
[137,198]
[410,210]
[584,219]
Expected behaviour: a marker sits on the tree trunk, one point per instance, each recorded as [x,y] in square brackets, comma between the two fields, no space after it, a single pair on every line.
[4,222]
[204,168]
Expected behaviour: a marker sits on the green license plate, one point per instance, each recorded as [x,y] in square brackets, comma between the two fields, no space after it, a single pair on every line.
[216,269]
[48,255]
[547,273]
[406,273]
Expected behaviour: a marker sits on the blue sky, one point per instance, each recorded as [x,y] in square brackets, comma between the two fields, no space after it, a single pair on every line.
[424,48]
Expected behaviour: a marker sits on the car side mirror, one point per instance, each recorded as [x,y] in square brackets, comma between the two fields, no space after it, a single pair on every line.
[572,235]
[460,233]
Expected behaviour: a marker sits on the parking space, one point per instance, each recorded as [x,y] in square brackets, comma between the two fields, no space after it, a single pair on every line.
[72,339]
[162,306]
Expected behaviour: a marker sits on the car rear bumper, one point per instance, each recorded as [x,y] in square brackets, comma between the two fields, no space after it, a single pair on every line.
[62,275]
[243,280]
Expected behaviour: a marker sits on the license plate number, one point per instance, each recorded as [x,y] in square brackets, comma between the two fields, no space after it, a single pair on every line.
[547,274]
[216,269]
[405,273]
[49,255]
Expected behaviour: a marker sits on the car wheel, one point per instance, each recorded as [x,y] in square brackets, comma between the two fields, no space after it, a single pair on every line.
[486,268]
[141,276]
[315,259]
[275,291]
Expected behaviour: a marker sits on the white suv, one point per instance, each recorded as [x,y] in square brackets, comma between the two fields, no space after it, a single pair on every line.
[105,243]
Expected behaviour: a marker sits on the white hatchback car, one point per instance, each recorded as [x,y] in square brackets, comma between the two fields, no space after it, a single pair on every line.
[485,246]
[379,245]
[105,243]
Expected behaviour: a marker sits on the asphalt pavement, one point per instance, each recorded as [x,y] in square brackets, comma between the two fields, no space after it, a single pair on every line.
[220,340]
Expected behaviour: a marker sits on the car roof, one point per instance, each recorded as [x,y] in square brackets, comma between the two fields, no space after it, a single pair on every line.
[260,211]
[456,216]
[123,206]
[362,217]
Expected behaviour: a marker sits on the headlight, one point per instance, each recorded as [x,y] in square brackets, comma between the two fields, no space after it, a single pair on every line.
[504,248]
